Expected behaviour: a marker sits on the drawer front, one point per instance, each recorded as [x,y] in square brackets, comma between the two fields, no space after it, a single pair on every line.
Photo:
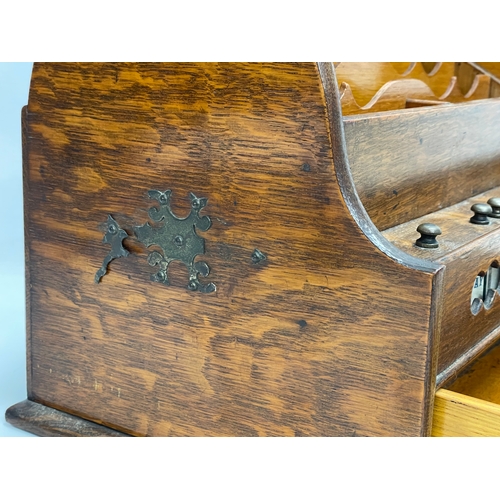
[458,415]
[470,406]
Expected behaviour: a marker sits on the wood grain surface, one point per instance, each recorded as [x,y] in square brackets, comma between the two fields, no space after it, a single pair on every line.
[466,250]
[409,163]
[470,405]
[457,415]
[318,339]
[391,96]
[375,87]
[49,422]
[467,72]
[366,79]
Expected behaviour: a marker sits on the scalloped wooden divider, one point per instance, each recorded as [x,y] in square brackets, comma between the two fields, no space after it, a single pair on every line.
[366,79]
[467,71]
[440,85]
[480,89]
[393,95]
[436,75]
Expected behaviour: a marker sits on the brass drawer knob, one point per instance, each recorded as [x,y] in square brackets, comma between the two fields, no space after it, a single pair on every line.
[428,235]
[481,213]
[494,203]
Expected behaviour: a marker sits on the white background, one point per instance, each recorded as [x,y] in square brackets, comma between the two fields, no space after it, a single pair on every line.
[14,85]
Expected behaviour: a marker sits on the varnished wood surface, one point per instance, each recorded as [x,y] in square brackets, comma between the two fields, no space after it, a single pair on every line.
[366,79]
[456,228]
[376,87]
[293,346]
[413,162]
[466,250]
[491,67]
[48,422]
[391,96]
[468,71]
[470,406]
[457,415]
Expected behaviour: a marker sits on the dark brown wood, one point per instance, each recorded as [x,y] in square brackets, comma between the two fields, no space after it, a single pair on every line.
[318,339]
[412,162]
[457,231]
[357,211]
[466,250]
[48,422]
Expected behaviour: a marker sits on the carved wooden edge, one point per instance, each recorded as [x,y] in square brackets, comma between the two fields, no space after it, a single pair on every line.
[362,219]
[49,422]
[346,182]
[26,189]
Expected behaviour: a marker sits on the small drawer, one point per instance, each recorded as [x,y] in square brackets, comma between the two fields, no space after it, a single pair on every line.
[470,406]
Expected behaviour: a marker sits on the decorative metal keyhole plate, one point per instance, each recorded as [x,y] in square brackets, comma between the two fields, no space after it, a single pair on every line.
[175,237]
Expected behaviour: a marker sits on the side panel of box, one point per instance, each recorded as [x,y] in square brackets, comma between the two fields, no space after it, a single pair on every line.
[326,335]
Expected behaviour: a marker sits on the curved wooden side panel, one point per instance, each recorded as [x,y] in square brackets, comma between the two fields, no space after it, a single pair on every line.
[331,334]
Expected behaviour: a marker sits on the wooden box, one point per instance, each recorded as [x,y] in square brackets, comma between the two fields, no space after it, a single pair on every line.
[223,250]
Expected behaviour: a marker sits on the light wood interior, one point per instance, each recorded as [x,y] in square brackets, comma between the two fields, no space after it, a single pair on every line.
[470,406]
[373,87]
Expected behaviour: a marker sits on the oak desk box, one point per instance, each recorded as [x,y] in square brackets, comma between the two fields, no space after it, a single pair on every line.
[230,249]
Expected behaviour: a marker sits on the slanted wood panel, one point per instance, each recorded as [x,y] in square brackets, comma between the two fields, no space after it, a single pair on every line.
[409,163]
[318,339]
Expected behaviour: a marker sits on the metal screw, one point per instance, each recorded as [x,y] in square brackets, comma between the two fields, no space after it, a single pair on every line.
[428,234]
[112,229]
[257,256]
[161,275]
[195,204]
[193,285]
[178,240]
[163,199]
[494,203]
[481,213]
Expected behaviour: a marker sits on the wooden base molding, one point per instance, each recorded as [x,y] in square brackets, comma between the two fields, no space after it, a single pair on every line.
[48,422]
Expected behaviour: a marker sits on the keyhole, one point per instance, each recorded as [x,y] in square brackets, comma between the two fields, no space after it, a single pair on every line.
[477,296]
[491,284]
